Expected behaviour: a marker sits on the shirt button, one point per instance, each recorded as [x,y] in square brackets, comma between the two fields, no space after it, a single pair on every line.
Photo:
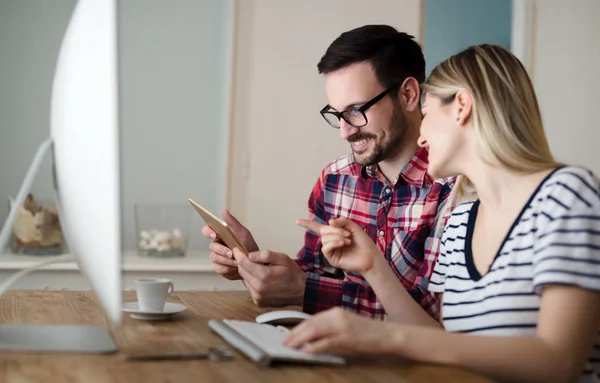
[387,190]
[381,233]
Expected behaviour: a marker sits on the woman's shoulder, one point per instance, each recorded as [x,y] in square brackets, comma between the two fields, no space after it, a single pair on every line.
[463,208]
[460,214]
[572,186]
[577,175]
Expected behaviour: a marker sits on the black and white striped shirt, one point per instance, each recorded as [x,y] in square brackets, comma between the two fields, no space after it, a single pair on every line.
[554,240]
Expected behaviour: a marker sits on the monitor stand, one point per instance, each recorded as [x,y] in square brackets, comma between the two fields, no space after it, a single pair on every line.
[46,338]
[56,338]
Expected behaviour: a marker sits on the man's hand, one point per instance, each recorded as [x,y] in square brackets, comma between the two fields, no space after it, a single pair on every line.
[222,257]
[273,279]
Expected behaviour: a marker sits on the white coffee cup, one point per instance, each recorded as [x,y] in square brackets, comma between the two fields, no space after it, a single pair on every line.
[152,293]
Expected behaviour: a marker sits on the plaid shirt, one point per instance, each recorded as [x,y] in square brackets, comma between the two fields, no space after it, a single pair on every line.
[400,217]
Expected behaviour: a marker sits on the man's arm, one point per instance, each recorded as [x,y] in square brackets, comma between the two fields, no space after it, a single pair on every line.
[324,286]
[274,279]
[442,193]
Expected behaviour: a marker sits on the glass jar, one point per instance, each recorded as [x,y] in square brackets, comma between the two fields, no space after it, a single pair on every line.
[162,230]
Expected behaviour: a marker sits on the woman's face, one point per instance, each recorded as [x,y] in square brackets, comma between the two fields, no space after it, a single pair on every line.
[443,134]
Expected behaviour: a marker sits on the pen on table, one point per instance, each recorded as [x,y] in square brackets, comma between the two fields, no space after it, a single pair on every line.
[211,354]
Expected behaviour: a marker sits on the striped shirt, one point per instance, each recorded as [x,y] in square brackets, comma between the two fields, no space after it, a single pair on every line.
[554,240]
[399,216]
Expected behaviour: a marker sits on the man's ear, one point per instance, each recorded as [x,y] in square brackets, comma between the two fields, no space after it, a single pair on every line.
[409,94]
[464,107]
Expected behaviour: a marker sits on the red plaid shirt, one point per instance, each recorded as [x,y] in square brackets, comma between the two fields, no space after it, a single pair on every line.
[400,217]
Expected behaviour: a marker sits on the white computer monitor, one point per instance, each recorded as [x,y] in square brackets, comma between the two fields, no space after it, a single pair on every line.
[84,149]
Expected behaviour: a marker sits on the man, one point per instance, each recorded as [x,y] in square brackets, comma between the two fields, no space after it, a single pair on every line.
[372,77]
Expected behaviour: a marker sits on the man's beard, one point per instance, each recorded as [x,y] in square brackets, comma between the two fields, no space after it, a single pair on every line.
[388,148]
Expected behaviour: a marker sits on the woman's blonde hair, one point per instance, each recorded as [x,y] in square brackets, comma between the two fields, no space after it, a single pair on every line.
[505,112]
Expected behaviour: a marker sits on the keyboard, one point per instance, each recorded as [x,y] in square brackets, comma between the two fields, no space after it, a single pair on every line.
[262,343]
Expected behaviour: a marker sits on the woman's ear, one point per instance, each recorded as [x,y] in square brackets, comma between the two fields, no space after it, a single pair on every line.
[409,94]
[464,107]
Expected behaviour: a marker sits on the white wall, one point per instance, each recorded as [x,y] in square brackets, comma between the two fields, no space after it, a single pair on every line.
[173,77]
[173,94]
[566,73]
[280,142]
[30,36]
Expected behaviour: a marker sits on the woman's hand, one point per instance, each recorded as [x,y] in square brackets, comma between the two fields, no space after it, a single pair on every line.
[345,244]
[337,331]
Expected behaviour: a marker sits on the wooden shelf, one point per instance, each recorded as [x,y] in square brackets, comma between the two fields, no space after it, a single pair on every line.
[192,262]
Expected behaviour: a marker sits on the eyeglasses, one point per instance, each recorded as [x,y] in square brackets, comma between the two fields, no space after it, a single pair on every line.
[353,116]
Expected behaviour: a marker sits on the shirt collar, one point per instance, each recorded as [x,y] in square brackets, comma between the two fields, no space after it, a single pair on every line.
[414,172]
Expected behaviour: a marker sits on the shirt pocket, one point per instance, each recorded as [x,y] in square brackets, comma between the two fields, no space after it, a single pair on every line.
[407,251]
[406,217]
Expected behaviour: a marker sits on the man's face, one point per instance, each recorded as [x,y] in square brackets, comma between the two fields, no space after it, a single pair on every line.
[353,86]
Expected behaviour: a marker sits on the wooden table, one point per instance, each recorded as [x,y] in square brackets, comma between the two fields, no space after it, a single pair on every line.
[186,332]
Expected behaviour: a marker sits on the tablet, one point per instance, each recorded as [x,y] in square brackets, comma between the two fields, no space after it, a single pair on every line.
[224,233]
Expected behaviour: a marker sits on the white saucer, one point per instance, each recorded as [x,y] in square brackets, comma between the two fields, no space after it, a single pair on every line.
[169,310]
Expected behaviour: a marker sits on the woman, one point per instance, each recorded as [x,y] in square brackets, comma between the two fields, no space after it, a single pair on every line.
[518,274]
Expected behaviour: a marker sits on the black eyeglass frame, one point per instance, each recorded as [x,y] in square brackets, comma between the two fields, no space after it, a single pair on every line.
[362,110]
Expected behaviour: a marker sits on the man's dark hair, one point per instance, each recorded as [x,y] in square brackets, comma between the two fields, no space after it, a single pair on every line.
[394,55]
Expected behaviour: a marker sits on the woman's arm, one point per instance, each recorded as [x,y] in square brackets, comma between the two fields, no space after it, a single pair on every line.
[568,325]
[398,303]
